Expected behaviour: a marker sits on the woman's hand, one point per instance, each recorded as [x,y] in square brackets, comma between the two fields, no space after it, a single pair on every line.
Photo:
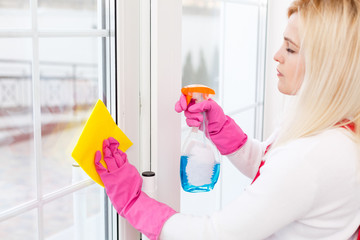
[122,181]
[123,184]
[223,131]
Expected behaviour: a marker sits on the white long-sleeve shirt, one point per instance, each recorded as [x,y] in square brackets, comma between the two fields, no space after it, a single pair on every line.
[308,189]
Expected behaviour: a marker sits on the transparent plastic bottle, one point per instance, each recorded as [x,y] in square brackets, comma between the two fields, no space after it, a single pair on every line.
[200,159]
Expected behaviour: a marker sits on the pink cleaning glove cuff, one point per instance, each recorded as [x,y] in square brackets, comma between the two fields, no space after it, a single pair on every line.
[229,138]
[148,215]
[123,186]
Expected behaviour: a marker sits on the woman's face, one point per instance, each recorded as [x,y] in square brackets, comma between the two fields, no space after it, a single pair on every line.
[291,67]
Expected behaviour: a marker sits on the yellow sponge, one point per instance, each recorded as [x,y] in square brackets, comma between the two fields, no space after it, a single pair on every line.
[98,127]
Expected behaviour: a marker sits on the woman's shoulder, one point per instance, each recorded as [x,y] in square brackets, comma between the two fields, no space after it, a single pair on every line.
[332,141]
[326,141]
[333,147]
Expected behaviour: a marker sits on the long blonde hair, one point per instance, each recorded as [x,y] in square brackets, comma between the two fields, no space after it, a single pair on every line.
[330,93]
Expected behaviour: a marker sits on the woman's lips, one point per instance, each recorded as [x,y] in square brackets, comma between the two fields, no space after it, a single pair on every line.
[279,74]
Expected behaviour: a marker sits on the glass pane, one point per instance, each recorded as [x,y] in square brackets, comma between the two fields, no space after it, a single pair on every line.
[70,14]
[23,226]
[246,120]
[200,43]
[76,216]
[69,90]
[240,55]
[17,171]
[233,181]
[200,55]
[14,14]
[220,45]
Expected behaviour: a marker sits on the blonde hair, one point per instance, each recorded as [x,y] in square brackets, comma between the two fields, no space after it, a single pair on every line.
[330,92]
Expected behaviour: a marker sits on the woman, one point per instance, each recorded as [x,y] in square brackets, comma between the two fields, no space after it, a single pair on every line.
[307,175]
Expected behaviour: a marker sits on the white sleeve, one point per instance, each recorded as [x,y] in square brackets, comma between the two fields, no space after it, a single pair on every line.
[283,193]
[247,159]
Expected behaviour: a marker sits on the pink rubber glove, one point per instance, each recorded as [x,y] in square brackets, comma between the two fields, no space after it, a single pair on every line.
[123,186]
[223,131]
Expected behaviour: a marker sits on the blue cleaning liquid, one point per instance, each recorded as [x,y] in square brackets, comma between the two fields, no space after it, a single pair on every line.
[188,187]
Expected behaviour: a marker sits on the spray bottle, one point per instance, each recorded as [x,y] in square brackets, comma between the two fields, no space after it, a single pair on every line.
[200,159]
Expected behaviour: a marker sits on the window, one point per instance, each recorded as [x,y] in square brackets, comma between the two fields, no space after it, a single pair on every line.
[223,47]
[55,62]
[57,57]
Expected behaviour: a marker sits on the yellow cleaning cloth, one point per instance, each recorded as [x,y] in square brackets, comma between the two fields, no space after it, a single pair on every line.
[98,127]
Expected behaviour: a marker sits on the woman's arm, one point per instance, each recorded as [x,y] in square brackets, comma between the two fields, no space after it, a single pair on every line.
[280,196]
[247,159]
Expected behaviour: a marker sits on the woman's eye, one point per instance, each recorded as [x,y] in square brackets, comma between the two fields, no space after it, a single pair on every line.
[290,50]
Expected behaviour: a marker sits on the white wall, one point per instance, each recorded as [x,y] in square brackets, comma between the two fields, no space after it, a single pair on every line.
[274,100]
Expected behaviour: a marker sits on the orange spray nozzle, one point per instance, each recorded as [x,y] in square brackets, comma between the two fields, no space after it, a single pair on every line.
[197,92]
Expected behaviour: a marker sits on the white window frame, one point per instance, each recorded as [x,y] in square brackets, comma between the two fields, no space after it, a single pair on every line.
[166,71]
[149,68]
[34,33]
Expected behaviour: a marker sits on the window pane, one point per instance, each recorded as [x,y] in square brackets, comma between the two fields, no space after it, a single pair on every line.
[70,14]
[14,14]
[23,226]
[69,90]
[76,216]
[233,181]
[72,73]
[246,120]
[240,55]
[220,39]
[200,43]
[17,178]
[201,35]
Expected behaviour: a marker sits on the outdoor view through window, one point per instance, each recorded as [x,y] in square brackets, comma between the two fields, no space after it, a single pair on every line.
[52,71]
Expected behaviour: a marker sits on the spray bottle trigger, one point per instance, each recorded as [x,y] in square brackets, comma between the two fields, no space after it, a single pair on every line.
[197,92]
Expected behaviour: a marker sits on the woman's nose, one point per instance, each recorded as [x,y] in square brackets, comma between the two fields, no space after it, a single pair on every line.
[278,57]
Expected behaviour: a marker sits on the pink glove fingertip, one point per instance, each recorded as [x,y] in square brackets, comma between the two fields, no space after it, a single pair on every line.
[112,140]
[193,123]
[123,156]
[108,156]
[196,116]
[181,105]
[97,157]
[106,151]
[106,143]
[98,166]
[119,157]
[113,144]
[200,107]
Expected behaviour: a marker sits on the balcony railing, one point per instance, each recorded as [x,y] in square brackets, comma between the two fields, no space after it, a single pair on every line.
[68,92]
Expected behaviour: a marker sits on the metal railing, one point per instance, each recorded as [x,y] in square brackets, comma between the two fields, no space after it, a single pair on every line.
[67,91]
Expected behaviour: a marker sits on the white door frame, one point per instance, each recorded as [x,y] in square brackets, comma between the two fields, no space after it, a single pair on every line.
[154,75]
